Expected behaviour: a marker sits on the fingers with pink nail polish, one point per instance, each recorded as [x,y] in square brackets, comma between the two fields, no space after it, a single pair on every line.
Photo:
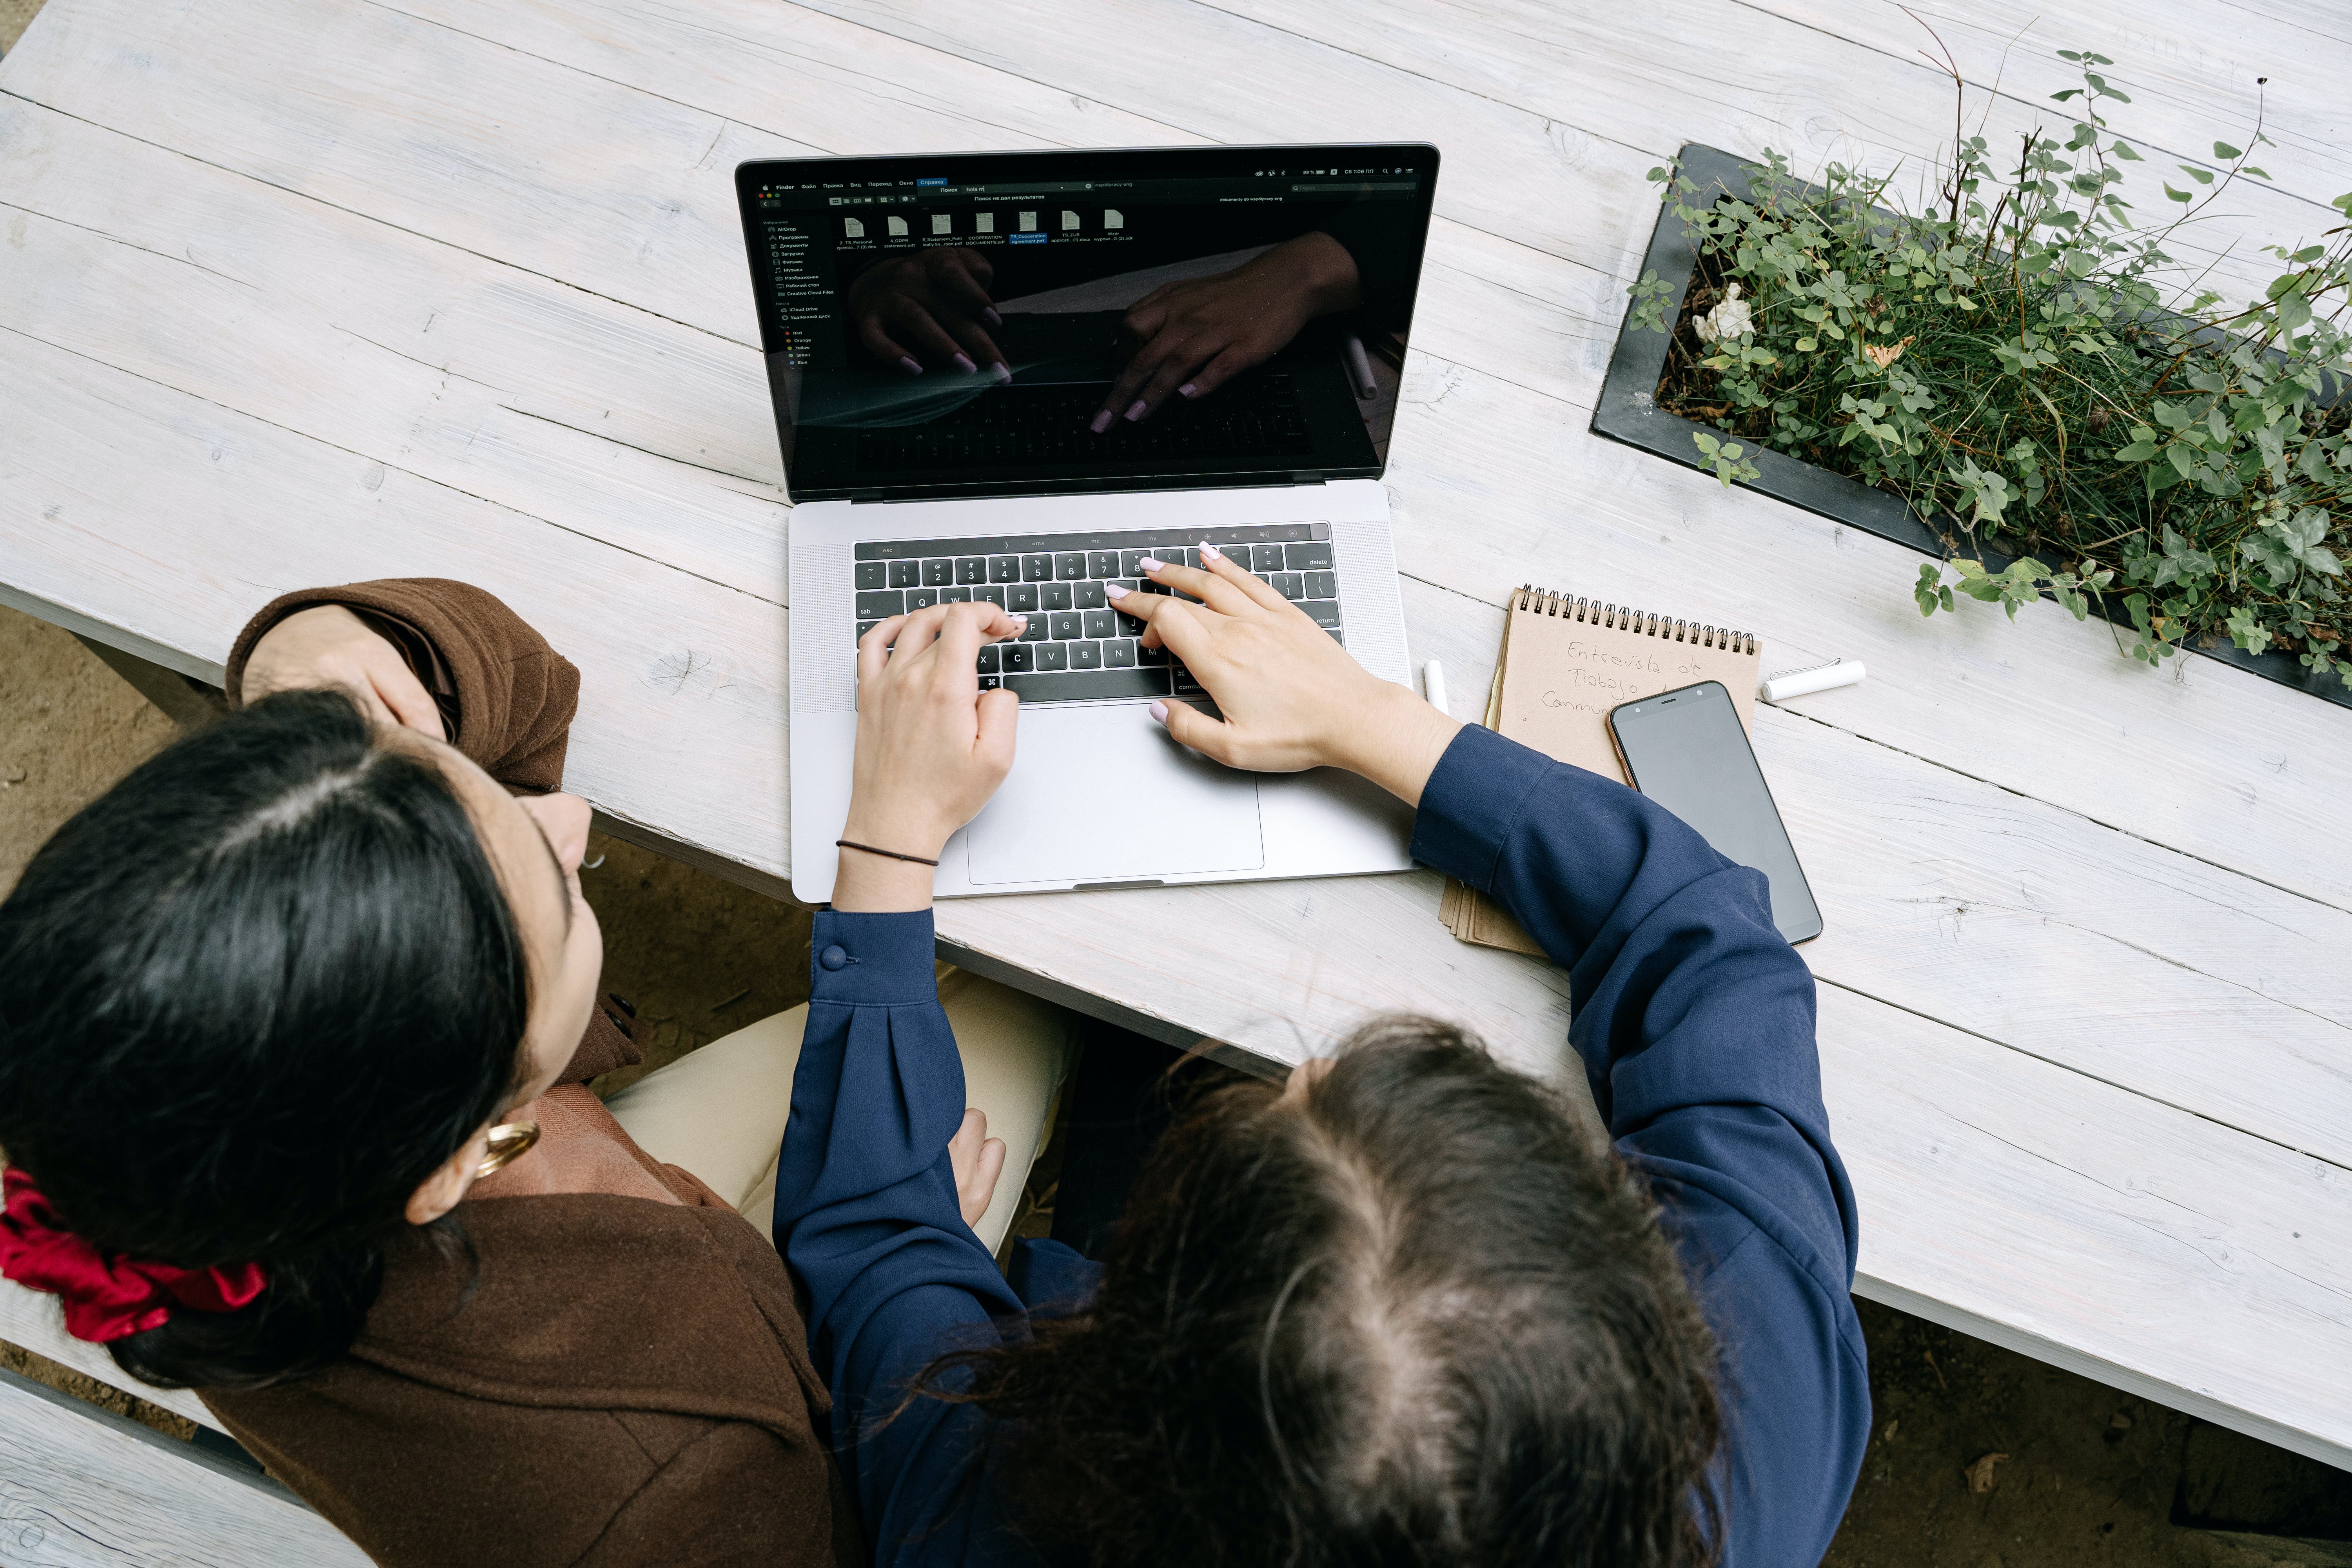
[1102,422]
[908,364]
[1210,552]
[1137,412]
[1113,591]
[1187,390]
[1150,565]
[1160,712]
[989,311]
[963,362]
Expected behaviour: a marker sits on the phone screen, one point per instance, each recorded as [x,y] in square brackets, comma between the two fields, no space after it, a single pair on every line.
[1686,750]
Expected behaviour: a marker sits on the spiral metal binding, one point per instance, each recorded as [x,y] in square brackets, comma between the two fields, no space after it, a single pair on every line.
[1544,602]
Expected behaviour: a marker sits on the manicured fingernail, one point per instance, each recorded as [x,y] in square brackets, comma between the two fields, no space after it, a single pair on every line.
[994,319]
[1149,564]
[907,362]
[1210,552]
[1187,389]
[1021,620]
[1135,413]
[963,362]
[1160,712]
[1000,370]
[1102,422]
[1113,591]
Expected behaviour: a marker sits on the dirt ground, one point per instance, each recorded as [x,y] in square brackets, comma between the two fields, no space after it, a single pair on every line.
[13,16]
[2091,1477]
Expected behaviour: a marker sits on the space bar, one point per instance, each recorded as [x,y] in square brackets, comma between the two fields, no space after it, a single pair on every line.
[1074,686]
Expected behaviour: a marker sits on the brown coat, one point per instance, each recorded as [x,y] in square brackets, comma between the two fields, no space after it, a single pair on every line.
[621,1381]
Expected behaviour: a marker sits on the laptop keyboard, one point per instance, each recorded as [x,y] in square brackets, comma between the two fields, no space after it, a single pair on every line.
[1077,647]
[1256,418]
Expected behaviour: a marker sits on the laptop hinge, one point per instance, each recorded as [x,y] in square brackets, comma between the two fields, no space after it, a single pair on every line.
[860,498]
[1312,478]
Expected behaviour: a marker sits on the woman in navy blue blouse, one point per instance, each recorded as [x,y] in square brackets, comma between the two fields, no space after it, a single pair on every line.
[1401,1309]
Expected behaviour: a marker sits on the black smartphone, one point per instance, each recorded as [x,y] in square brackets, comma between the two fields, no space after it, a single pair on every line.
[1686,750]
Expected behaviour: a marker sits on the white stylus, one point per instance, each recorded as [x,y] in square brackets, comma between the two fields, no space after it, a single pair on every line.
[1433,684]
[1805,682]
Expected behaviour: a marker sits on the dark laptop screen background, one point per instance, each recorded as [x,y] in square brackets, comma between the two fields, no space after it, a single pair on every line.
[1292,271]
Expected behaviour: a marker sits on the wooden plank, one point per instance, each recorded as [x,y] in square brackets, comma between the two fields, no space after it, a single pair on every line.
[620,425]
[1960,900]
[638,204]
[1588,88]
[2192,83]
[688,674]
[812,79]
[1822,83]
[2141,1245]
[393,119]
[81,1487]
[2020,753]
[35,1322]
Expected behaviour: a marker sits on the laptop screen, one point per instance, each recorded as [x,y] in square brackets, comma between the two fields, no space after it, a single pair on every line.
[1018,322]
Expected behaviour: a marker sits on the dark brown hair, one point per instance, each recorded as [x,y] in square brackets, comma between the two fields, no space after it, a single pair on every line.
[249,998]
[1424,1316]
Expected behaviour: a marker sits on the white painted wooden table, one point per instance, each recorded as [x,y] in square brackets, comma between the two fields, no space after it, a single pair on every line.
[296,291]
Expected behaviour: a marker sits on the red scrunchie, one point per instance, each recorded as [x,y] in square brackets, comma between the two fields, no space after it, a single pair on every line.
[106,1299]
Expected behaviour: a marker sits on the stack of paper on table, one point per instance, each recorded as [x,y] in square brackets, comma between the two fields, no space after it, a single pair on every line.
[1565,663]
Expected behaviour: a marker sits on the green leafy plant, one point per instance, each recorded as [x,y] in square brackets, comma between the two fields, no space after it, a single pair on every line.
[2023,361]
[1728,459]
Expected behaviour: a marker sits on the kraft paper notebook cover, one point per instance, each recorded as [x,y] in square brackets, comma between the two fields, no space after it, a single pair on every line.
[1565,663]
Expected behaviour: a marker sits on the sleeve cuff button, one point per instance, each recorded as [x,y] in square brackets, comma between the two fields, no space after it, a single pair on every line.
[833,957]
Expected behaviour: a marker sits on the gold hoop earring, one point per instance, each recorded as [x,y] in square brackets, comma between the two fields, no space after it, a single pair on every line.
[510,1142]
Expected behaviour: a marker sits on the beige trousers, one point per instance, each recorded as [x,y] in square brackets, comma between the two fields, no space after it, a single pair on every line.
[720,1112]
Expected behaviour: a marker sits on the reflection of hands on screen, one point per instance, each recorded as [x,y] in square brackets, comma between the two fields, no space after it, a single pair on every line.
[929,310]
[1194,336]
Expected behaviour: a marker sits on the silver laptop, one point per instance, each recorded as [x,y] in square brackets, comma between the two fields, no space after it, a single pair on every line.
[954,344]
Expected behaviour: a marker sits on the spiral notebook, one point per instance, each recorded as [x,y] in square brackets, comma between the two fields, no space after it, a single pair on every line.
[1564,664]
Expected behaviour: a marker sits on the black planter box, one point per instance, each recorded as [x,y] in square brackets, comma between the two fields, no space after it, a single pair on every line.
[1628,412]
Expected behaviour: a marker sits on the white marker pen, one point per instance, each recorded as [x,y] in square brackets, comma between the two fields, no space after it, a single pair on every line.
[1805,682]
[1433,684]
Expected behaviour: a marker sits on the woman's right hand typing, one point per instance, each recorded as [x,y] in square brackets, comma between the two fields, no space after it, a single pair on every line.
[1291,696]
[931,748]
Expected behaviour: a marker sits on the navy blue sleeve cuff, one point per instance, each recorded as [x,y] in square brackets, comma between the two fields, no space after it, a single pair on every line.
[872,960]
[1479,790]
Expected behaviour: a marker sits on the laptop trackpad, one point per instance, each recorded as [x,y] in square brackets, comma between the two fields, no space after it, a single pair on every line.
[1101,794]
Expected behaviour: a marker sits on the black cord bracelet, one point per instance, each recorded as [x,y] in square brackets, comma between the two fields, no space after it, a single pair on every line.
[886,853]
